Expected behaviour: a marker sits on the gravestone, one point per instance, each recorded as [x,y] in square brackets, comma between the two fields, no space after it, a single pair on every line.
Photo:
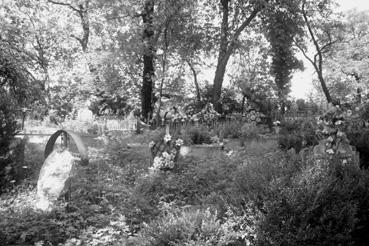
[344,151]
[53,176]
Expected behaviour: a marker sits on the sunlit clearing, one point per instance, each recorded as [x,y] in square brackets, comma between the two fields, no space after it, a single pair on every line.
[18,201]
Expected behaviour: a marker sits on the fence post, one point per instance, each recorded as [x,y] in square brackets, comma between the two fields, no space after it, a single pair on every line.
[167,126]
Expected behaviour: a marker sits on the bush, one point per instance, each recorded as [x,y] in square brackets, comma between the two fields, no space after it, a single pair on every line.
[7,127]
[360,139]
[317,206]
[189,227]
[10,150]
[249,132]
[196,135]
[297,134]
[228,129]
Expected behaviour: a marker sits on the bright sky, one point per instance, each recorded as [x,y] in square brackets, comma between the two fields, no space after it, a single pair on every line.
[302,81]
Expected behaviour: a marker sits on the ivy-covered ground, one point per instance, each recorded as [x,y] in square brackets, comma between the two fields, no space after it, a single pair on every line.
[250,195]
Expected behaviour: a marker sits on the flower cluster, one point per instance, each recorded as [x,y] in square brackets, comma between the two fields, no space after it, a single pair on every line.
[207,114]
[253,116]
[176,114]
[276,123]
[165,152]
[165,161]
[167,138]
[333,126]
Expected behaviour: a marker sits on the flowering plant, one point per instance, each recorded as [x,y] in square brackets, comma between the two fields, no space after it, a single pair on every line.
[176,114]
[333,128]
[253,116]
[165,152]
[277,123]
[207,114]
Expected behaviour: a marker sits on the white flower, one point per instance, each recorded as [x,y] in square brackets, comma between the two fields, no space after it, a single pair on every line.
[357,109]
[167,138]
[344,161]
[340,134]
[330,139]
[179,142]
[158,162]
[170,164]
[349,112]
[151,144]
[330,151]
[338,122]
[166,156]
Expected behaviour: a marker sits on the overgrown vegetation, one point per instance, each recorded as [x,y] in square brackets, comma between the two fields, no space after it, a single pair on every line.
[220,175]
[257,195]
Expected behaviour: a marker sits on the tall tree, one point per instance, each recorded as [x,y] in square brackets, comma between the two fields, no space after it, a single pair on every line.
[283,24]
[236,16]
[158,23]
[321,27]
[147,95]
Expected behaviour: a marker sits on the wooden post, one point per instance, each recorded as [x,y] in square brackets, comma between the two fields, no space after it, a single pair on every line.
[167,132]
[138,126]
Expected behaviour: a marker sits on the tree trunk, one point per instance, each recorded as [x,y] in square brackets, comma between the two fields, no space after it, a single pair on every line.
[198,93]
[222,57]
[317,64]
[324,87]
[85,21]
[218,80]
[243,104]
[226,48]
[147,96]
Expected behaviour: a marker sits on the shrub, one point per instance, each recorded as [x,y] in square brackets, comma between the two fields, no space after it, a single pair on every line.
[317,206]
[10,150]
[297,134]
[228,129]
[249,132]
[7,127]
[360,139]
[196,135]
[189,227]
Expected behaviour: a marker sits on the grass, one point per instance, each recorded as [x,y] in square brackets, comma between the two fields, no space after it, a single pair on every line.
[211,197]
[115,185]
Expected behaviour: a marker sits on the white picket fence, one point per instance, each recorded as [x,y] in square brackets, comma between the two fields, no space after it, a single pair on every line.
[118,124]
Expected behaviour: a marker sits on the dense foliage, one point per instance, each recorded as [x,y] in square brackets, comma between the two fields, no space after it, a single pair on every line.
[218,176]
[9,152]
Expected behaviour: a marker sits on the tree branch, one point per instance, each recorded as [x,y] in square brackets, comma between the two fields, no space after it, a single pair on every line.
[327,45]
[78,39]
[64,4]
[312,35]
[198,93]
[245,24]
[304,53]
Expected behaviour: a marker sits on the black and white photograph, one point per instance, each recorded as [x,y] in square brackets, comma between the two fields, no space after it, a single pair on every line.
[184,123]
